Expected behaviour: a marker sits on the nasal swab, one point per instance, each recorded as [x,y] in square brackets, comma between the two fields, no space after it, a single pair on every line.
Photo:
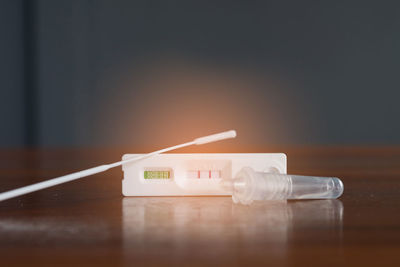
[74,176]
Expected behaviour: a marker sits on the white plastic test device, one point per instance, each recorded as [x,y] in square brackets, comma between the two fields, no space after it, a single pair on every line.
[192,174]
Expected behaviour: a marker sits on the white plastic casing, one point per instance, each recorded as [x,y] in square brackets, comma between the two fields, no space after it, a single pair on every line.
[193,174]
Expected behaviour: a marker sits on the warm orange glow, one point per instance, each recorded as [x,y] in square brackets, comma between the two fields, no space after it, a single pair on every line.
[172,103]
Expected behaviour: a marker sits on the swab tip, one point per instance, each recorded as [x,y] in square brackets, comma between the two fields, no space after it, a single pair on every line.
[215,137]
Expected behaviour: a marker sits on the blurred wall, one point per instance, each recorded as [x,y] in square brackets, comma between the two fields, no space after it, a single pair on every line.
[11,74]
[121,72]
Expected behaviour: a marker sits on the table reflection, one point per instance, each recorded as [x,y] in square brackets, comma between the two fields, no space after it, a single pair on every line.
[172,224]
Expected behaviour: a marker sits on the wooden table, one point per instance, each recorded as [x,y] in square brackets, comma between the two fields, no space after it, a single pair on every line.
[88,222]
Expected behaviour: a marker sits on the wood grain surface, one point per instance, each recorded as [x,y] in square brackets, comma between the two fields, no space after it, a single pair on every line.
[88,222]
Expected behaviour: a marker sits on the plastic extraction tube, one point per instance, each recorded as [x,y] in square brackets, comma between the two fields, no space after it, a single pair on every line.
[249,185]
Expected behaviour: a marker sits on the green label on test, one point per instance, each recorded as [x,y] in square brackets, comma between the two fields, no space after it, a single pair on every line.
[157,174]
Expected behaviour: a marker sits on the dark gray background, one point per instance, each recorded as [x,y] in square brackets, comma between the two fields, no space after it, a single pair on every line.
[115,73]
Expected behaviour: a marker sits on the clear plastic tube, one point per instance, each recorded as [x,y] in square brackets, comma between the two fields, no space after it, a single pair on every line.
[249,185]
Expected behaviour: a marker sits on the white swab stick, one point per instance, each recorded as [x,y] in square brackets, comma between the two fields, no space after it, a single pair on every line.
[74,176]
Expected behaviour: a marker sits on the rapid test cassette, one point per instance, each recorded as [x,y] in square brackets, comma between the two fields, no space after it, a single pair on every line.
[192,174]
